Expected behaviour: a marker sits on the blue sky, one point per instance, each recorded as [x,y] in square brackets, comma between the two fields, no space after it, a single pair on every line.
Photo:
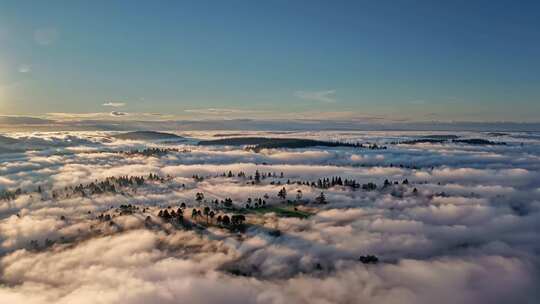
[360,60]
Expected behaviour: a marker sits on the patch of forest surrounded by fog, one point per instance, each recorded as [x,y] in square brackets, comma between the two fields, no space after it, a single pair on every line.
[270,217]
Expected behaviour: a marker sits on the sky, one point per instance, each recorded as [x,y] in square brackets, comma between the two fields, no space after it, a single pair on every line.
[337,60]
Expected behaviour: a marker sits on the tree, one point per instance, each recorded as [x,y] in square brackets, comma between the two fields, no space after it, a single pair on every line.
[321,199]
[238,219]
[166,215]
[211,214]
[369,259]
[299,195]
[282,193]
[180,215]
[257,176]
[194,213]
[225,220]
[369,186]
[207,213]
[199,196]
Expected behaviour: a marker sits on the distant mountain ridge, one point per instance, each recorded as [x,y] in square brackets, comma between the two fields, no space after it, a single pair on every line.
[259,143]
[147,135]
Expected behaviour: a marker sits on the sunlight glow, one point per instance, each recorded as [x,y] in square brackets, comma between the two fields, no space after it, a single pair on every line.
[2,90]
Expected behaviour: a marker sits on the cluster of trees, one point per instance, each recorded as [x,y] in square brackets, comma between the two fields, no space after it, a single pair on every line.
[387,183]
[197,177]
[225,203]
[109,185]
[104,217]
[374,147]
[329,182]
[326,183]
[449,139]
[150,152]
[230,174]
[321,183]
[320,199]
[34,244]
[255,203]
[257,177]
[205,213]
[177,215]
[369,259]
[261,176]
[258,144]
[7,195]
[235,220]
[404,166]
[369,186]
[128,209]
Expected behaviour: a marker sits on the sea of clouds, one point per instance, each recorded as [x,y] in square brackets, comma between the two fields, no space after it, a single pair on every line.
[469,235]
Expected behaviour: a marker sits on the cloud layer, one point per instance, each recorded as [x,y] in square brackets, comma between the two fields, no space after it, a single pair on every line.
[467,234]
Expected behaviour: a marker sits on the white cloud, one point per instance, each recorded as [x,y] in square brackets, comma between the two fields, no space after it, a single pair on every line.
[114,104]
[117,113]
[321,96]
[469,235]
[66,118]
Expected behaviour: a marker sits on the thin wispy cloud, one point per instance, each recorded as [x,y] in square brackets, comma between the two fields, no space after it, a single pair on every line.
[45,36]
[62,115]
[320,96]
[84,116]
[93,116]
[114,104]
[25,68]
